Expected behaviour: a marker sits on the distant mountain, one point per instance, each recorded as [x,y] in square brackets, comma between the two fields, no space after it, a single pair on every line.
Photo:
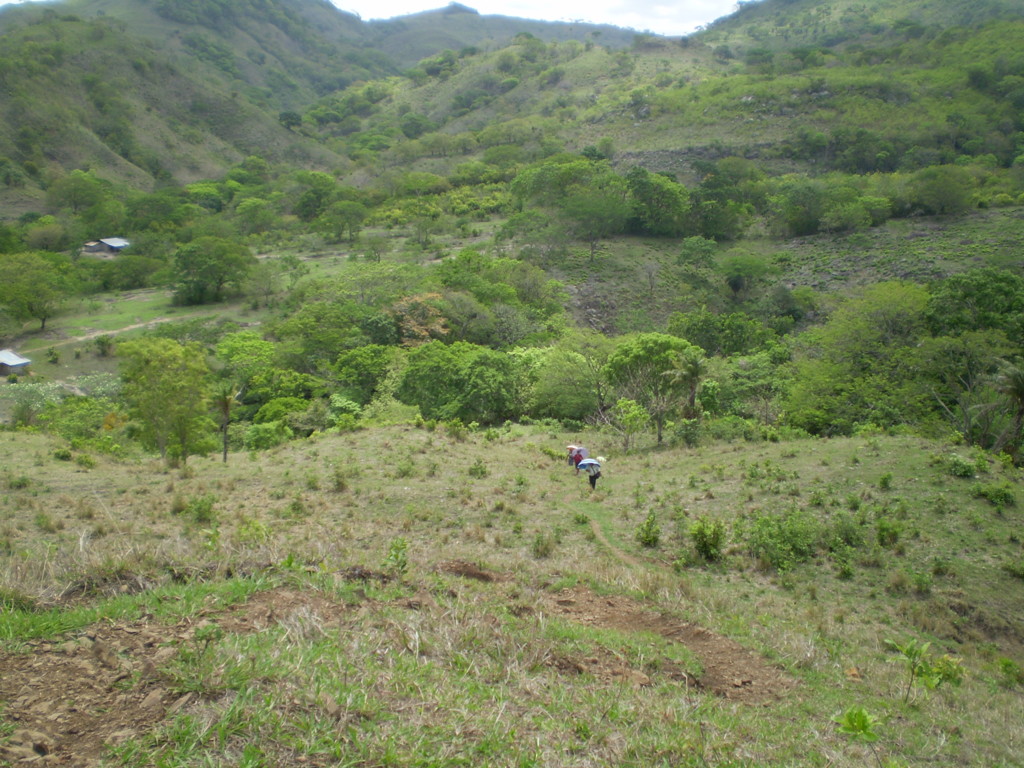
[149,92]
[153,90]
[410,38]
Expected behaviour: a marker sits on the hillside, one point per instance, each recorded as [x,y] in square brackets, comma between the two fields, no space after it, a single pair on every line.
[406,595]
[194,87]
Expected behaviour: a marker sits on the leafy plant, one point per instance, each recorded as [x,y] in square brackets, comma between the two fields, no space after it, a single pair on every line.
[920,667]
[708,538]
[859,724]
[997,494]
[200,509]
[648,533]
[397,558]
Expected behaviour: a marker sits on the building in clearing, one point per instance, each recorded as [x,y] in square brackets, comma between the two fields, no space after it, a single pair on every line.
[11,362]
[107,247]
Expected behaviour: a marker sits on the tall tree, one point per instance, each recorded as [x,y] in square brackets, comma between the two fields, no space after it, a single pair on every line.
[638,368]
[32,287]
[207,266]
[165,385]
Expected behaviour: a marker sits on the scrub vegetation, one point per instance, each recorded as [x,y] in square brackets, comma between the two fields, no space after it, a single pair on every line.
[285,481]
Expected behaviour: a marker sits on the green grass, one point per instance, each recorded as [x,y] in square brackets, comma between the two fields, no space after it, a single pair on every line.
[350,671]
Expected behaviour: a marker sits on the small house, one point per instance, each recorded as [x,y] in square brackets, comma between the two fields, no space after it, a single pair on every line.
[107,247]
[12,363]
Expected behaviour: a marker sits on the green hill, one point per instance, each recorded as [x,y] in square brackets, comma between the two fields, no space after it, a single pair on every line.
[407,596]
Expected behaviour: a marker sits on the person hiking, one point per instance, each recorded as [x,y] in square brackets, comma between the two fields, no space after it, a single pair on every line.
[577,453]
[593,469]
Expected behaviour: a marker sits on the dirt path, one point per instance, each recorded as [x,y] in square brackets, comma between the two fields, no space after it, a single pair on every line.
[617,553]
[96,334]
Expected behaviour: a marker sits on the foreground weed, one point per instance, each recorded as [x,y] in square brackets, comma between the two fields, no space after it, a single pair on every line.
[859,724]
[397,559]
[932,673]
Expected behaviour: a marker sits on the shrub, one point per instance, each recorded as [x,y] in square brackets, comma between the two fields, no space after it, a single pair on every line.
[648,533]
[845,532]
[478,469]
[782,541]
[262,436]
[997,494]
[543,545]
[708,538]
[85,461]
[397,558]
[888,532]
[62,454]
[960,466]
[200,508]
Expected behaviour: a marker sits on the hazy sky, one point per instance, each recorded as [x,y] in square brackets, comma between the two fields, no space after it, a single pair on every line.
[663,17]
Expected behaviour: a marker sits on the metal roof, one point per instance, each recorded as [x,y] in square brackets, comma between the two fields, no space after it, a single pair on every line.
[10,357]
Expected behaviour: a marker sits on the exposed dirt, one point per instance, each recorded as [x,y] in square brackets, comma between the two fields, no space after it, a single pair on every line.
[68,700]
[730,670]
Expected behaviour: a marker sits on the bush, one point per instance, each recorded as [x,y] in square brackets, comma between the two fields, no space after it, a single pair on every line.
[960,466]
[200,508]
[648,533]
[708,538]
[262,436]
[782,541]
[888,532]
[543,545]
[997,494]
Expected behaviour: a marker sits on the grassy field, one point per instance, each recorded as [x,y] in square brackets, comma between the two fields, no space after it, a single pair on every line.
[404,596]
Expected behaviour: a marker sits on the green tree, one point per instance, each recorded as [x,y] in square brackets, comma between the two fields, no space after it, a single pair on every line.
[570,380]
[165,385]
[686,375]
[344,216]
[659,205]
[244,354]
[461,381]
[1009,383]
[629,419]
[942,190]
[638,367]
[207,266]
[859,367]
[977,299]
[360,371]
[76,191]
[224,399]
[32,287]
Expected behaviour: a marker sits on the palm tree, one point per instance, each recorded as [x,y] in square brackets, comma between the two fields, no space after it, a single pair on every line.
[690,367]
[223,400]
[1009,382]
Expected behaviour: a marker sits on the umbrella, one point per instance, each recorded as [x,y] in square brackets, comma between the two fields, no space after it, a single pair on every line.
[589,463]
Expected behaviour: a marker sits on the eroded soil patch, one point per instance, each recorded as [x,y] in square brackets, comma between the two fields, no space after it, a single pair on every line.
[730,670]
[67,700]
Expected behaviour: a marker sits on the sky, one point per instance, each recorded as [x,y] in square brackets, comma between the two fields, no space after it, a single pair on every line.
[662,17]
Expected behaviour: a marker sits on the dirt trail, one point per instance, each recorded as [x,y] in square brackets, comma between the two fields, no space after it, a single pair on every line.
[96,334]
[617,553]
